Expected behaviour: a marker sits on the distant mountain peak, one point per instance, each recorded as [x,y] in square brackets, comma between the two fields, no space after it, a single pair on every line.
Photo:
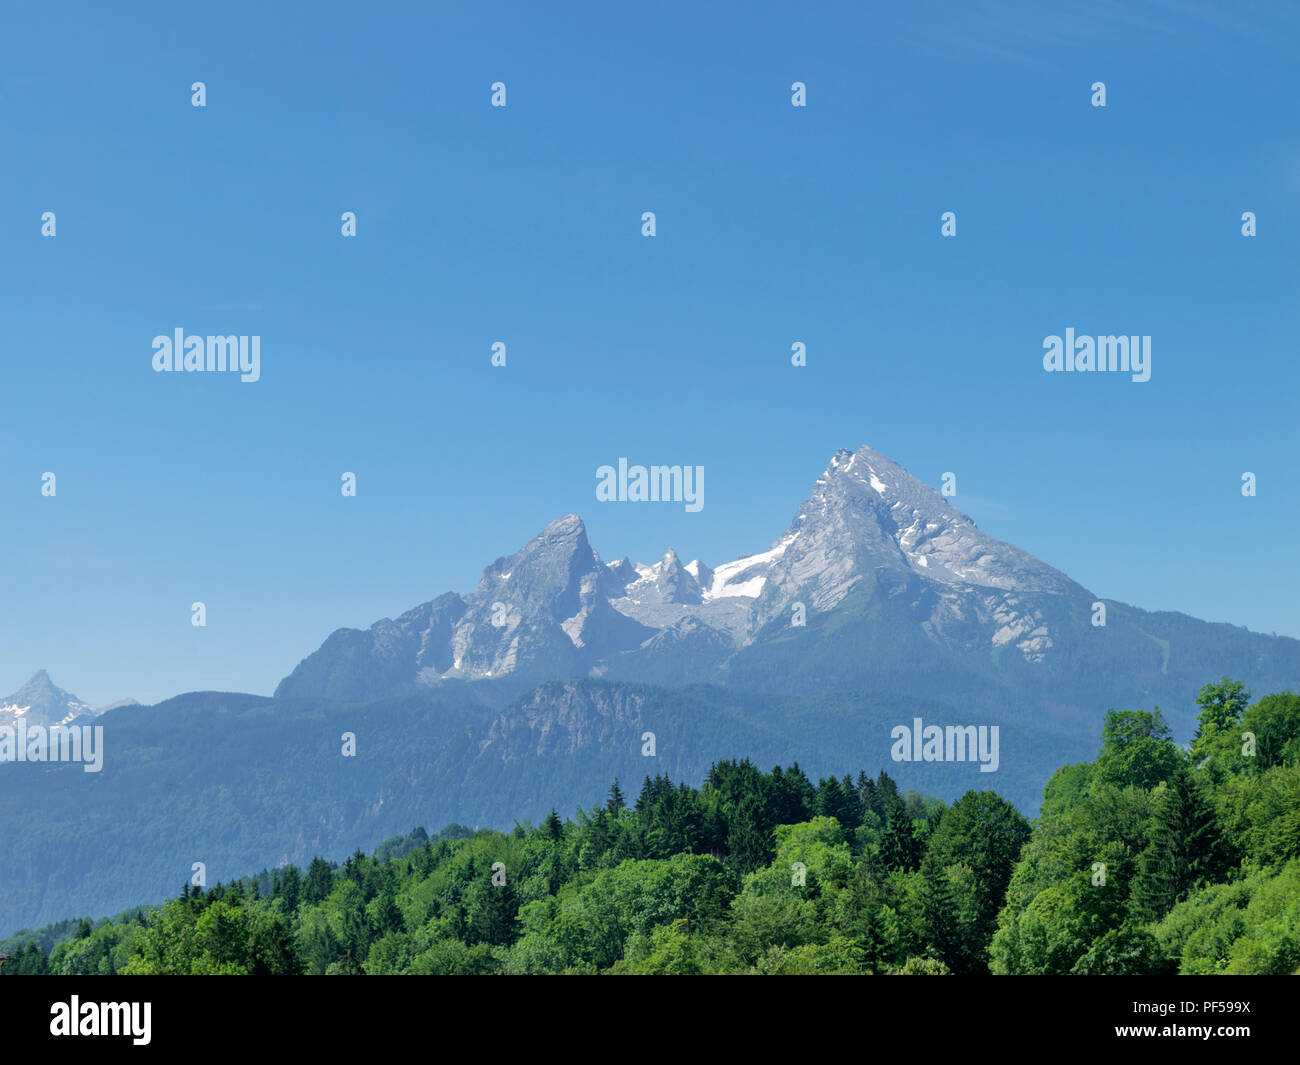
[40,685]
[40,702]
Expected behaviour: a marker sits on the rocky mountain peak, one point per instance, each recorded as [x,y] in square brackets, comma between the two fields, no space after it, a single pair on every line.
[869,509]
[554,609]
[41,702]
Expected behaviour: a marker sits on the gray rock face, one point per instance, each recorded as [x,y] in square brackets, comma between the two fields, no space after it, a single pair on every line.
[542,612]
[872,540]
[867,512]
[867,516]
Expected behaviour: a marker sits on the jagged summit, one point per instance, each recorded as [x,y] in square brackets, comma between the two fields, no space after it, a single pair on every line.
[554,609]
[867,512]
[39,684]
[41,702]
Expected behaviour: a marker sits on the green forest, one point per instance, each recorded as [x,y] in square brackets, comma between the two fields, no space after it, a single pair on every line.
[1152,859]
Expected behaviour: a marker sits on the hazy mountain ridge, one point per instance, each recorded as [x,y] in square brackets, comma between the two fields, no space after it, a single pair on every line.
[238,781]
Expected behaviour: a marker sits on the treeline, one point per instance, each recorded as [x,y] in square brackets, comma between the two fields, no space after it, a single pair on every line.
[1154,859]
[1151,859]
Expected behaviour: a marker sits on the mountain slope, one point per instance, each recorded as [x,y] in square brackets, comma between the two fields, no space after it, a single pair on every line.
[897,590]
[238,781]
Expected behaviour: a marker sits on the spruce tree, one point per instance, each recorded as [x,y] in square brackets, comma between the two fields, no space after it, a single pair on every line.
[1162,872]
[853,808]
[898,845]
[747,846]
[553,827]
[615,801]
[939,915]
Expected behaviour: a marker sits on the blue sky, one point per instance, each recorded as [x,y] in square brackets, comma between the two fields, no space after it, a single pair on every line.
[775,224]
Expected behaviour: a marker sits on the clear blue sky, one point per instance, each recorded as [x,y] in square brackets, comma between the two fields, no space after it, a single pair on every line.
[775,224]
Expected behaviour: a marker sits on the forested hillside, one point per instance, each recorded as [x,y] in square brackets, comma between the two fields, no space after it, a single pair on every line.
[1150,859]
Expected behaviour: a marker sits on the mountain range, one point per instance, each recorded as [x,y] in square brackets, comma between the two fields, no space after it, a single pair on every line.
[553,608]
[880,603]
[878,583]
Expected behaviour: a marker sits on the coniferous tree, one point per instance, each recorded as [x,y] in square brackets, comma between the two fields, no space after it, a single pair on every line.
[615,802]
[1209,853]
[747,845]
[886,793]
[869,799]
[853,808]
[320,880]
[898,844]
[790,796]
[1183,850]
[388,917]
[830,801]
[1161,867]
[490,912]
[290,887]
[553,827]
[939,915]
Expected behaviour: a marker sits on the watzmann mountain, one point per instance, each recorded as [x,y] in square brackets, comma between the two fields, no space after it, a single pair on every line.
[895,589]
[879,605]
[554,609]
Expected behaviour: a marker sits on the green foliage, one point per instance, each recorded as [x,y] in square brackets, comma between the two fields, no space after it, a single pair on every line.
[1221,706]
[1275,723]
[1144,861]
[969,861]
[1149,862]
[1137,749]
[1251,925]
[1066,787]
[921,967]
[201,936]
[29,960]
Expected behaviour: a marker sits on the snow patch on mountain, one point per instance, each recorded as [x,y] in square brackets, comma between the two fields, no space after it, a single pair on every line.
[747,575]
